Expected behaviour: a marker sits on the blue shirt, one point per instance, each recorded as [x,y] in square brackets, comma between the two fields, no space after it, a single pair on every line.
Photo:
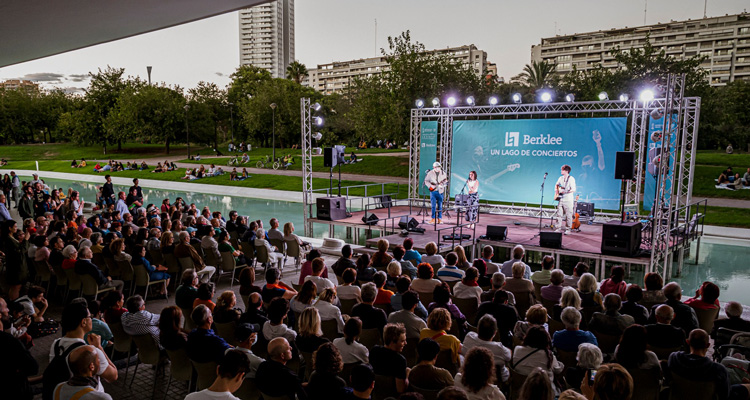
[122,208]
[4,214]
[204,345]
[568,340]
[450,273]
[396,304]
[413,255]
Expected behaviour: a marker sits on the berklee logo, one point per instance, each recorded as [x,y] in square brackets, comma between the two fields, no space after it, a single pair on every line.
[511,139]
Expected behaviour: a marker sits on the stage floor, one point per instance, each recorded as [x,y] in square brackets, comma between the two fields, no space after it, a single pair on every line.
[521,230]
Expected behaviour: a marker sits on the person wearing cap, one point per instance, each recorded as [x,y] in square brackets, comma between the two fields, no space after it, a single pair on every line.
[435,181]
[247,335]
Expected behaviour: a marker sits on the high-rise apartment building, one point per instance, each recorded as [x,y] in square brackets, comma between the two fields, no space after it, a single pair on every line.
[725,41]
[19,84]
[337,76]
[267,36]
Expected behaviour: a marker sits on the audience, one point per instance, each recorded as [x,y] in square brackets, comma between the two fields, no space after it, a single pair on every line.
[536,315]
[631,307]
[535,353]
[321,283]
[632,352]
[83,364]
[610,322]
[409,304]
[362,382]
[484,337]
[365,271]
[406,266]
[653,293]
[138,321]
[225,310]
[615,283]
[733,321]
[230,374]
[503,313]
[387,360]
[497,282]
[275,326]
[694,366]
[570,338]
[587,291]
[684,315]
[384,295]
[348,290]
[706,297]
[273,377]
[310,335]
[663,334]
[468,288]
[543,277]
[438,324]
[425,375]
[521,288]
[324,382]
[425,282]
[612,382]
[537,386]
[410,253]
[372,317]
[491,267]
[381,258]
[344,262]
[403,284]
[171,335]
[478,375]
[203,345]
[450,272]
[507,268]
[432,257]
[569,298]
[327,310]
[553,291]
[578,271]
[350,349]
[304,298]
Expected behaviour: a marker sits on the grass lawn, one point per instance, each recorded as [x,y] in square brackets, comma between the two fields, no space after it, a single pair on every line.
[703,184]
[738,162]
[726,216]
[370,165]
[70,151]
[258,181]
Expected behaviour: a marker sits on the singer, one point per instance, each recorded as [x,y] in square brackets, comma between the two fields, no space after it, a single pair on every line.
[473,185]
[435,181]
[564,189]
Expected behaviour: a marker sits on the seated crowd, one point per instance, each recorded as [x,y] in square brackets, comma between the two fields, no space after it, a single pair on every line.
[397,324]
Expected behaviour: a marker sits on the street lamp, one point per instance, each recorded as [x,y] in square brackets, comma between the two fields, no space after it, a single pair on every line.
[187,130]
[148,69]
[273,137]
[231,119]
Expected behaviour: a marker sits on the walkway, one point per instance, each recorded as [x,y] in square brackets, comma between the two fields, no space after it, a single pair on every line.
[722,202]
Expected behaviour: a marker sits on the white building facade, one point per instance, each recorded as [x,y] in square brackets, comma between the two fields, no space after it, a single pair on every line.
[267,36]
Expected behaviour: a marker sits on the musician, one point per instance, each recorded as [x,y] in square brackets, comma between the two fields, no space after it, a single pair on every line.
[473,185]
[435,181]
[564,193]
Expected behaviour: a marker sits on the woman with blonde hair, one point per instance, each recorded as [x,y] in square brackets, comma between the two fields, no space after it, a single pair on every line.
[304,299]
[224,310]
[381,259]
[394,272]
[432,257]
[462,263]
[327,309]
[569,298]
[587,290]
[290,236]
[310,335]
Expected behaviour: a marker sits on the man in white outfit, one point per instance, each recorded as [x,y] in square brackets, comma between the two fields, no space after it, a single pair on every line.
[435,180]
[566,187]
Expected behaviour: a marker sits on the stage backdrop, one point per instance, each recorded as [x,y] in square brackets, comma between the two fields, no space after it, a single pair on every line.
[511,157]
[427,151]
[653,158]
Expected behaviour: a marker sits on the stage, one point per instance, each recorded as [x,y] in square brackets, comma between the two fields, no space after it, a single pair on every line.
[523,230]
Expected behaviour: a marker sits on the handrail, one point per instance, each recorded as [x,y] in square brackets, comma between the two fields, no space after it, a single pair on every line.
[350,201]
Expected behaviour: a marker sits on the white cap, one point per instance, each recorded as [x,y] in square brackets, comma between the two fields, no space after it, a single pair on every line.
[436,165]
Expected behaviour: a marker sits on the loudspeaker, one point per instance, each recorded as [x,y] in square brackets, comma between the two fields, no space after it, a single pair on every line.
[408,224]
[625,165]
[330,157]
[456,236]
[553,240]
[331,208]
[495,232]
[384,201]
[585,209]
[370,219]
[621,238]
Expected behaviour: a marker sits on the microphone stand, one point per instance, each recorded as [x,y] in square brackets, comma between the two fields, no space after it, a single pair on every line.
[541,204]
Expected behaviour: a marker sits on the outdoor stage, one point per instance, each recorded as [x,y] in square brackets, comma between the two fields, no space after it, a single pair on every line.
[522,230]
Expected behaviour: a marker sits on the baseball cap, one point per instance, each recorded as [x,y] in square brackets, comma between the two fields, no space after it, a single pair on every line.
[243,331]
[190,229]
[435,164]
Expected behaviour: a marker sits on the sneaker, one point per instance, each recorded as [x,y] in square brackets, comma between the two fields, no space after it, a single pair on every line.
[432,221]
[440,221]
[558,230]
[567,231]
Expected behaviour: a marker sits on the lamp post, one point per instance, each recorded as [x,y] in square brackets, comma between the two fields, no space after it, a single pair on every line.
[148,69]
[187,130]
[273,135]
[231,119]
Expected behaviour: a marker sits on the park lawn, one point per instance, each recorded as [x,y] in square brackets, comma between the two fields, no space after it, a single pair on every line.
[370,165]
[738,162]
[72,151]
[257,181]
[727,216]
[703,184]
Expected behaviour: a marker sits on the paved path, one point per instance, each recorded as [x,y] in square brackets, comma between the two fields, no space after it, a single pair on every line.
[721,202]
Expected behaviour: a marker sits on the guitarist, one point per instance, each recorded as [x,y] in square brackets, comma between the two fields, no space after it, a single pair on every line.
[564,189]
[435,181]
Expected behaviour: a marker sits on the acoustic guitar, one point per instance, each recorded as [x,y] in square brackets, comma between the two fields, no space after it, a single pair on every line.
[576,217]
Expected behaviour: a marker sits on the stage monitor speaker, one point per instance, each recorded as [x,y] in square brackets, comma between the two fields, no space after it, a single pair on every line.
[621,238]
[625,165]
[331,208]
[384,201]
[585,209]
[330,157]
[370,218]
[495,232]
[456,236]
[407,223]
[552,240]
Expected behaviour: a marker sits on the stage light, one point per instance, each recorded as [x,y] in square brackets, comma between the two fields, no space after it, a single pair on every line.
[570,97]
[624,97]
[517,98]
[419,103]
[316,106]
[545,97]
[319,121]
[494,100]
[470,101]
[647,95]
[435,102]
[657,113]
[603,96]
[317,136]
[656,136]
[451,101]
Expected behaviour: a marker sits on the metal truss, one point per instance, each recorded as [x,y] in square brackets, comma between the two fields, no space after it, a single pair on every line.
[446,149]
[307,175]
[638,140]
[525,109]
[688,147]
[414,151]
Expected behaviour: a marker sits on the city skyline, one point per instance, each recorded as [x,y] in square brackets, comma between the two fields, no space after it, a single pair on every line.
[338,30]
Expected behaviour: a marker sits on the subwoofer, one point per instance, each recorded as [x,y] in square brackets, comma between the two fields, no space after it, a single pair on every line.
[331,208]
[621,238]
[552,240]
[495,232]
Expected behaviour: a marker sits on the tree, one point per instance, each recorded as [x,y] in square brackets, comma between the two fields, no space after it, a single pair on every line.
[537,74]
[296,71]
[103,93]
[208,99]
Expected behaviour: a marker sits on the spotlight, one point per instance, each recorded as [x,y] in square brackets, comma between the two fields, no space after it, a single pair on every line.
[419,103]
[545,97]
[657,113]
[451,101]
[435,102]
[494,100]
[570,97]
[624,97]
[316,106]
[516,98]
[656,136]
[317,136]
[647,95]
[470,101]
[319,121]
[603,96]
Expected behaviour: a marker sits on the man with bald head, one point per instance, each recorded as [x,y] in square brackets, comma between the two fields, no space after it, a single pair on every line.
[684,315]
[273,377]
[663,334]
[734,320]
[695,366]
[254,313]
[83,363]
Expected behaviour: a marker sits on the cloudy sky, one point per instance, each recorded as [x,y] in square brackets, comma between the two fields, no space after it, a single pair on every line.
[339,30]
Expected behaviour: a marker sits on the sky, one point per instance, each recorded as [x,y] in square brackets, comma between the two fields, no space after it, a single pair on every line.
[340,30]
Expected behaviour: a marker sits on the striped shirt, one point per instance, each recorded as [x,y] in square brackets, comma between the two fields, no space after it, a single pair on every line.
[450,273]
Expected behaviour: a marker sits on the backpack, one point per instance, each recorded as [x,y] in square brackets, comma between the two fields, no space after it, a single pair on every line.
[57,371]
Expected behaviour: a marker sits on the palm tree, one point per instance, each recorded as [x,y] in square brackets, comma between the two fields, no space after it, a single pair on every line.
[296,71]
[537,74]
